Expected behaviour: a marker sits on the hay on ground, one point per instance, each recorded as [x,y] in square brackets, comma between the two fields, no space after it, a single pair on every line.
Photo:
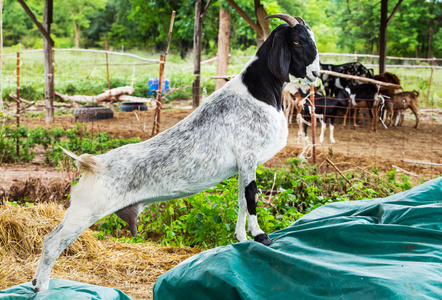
[131,268]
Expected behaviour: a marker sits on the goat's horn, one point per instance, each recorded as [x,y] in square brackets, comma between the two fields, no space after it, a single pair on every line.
[300,20]
[292,21]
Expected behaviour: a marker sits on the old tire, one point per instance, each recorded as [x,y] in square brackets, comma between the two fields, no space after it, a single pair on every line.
[131,106]
[92,113]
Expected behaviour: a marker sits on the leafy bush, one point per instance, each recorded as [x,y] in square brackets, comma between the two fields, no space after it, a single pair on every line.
[9,138]
[78,140]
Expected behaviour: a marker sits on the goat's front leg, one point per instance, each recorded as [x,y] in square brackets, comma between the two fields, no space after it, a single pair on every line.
[332,128]
[247,200]
[345,115]
[323,127]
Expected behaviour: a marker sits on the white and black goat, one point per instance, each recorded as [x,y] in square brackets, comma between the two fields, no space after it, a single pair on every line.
[326,109]
[234,130]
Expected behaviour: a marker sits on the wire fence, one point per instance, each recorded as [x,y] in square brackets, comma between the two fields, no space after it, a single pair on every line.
[364,134]
[84,71]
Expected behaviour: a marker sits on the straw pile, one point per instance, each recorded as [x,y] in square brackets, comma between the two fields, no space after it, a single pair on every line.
[132,268]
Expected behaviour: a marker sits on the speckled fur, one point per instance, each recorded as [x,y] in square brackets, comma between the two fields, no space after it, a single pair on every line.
[230,132]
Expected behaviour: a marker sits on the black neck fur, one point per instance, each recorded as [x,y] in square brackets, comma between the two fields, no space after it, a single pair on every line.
[258,79]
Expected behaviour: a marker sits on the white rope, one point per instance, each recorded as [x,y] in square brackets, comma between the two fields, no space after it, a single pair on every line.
[307,151]
[382,100]
[301,120]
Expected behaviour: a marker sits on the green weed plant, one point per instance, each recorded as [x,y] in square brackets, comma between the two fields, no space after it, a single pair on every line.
[208,219]
[78,140]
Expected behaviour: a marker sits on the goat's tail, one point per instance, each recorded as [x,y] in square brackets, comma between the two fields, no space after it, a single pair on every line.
[85,162]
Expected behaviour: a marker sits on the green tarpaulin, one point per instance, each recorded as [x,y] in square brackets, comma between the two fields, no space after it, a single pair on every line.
[389,248]
[63,290]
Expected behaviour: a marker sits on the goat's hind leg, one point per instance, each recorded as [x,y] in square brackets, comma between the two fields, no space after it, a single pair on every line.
[248,198]
[77,219]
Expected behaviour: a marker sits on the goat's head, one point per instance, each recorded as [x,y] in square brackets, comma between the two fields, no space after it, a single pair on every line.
[293,50]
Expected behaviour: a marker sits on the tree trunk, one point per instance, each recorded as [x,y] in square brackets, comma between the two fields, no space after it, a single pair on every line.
[111,95]
[264,24]
[76,35]
[223,46]
[48,64]
[197,54]
[430,31]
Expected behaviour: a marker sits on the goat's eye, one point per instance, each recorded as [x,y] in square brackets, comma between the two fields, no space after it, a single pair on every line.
[296,43]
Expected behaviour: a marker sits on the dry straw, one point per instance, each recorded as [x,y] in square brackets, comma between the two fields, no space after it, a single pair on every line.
[132,268]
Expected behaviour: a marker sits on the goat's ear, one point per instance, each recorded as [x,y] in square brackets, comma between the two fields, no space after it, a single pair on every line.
[279,57]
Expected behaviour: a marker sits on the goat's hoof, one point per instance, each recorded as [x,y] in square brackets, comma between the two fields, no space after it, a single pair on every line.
[34,283]
[238,239]
[263,239]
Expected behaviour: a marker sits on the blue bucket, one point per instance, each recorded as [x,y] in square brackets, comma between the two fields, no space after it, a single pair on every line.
[153,86]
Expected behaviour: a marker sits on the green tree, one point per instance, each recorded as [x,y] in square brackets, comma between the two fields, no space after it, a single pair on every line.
[17,26]
[79,13]
[414,31]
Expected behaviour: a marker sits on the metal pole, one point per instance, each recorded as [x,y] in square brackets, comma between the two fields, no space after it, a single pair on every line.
[313,117]
[18,104]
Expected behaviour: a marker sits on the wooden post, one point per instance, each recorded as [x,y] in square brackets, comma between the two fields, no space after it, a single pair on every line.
[18,104]
[107,65]
[48,66]
[383,36]
[429,83]
[385,20]
[223,46]
[197,32]
[313,118]
[157,117]
[169,36]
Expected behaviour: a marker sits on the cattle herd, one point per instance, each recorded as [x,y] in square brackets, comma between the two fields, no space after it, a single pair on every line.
[349,98]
